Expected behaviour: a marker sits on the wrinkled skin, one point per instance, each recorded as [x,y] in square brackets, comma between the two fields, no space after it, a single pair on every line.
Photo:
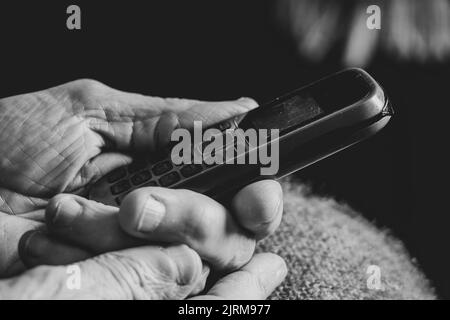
[64,138]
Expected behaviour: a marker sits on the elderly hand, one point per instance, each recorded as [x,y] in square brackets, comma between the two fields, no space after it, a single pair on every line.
[145,273]
[65,138]
[93,239]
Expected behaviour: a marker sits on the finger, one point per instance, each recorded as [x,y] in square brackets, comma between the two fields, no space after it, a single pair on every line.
[188,110]
[183,216]
[210,113]
[133,133]
[140,273]
[11,230]
[37,248]
[15,203]
[259,206]
[96,168]
[148,129]
[190,218]
[201,284]
[104,163]
[88,224]
[256,280]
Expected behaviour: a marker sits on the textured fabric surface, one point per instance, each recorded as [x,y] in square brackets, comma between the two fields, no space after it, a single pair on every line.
[328,248]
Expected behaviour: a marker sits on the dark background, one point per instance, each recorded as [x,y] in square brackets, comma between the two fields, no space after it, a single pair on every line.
[216,50]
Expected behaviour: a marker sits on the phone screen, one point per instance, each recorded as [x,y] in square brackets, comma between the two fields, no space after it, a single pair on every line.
[306,104]
[292,112]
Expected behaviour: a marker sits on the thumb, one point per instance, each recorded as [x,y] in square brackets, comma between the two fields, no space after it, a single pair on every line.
[88,224]
[136,133]
[141,273]
[139,129]
[210,113]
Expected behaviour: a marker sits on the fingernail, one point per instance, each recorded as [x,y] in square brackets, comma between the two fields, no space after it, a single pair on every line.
[276,273]
[35,244]
[248,102]
[66,211]
[151,215]
[201,284]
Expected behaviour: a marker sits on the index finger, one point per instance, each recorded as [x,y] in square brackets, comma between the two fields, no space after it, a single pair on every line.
[256,280]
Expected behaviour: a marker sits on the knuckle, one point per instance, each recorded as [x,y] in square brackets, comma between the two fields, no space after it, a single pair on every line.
[185,265]
[242,253]
[134,278]
[87,90]
[89,85]
[200,224]
[53,207]
[57,199]
[138,279]
[206,227]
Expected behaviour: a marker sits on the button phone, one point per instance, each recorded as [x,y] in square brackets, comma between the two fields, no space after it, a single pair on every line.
[313,122]
[141,173]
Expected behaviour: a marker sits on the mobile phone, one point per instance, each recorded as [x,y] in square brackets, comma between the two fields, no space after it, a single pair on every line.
[313,122]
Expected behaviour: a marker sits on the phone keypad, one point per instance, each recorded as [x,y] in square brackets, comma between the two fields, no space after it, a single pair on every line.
[189,170]
[120,187]
[136,166]
[162,167]
[141,173]
[169,179]
[116,175]
[141,177]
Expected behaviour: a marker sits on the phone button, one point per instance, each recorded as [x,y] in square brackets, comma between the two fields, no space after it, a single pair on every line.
[162,167]
[120,187]
[190,169]
[136,166]
[225,125]
[116,175]
[141,177]
[169,179]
